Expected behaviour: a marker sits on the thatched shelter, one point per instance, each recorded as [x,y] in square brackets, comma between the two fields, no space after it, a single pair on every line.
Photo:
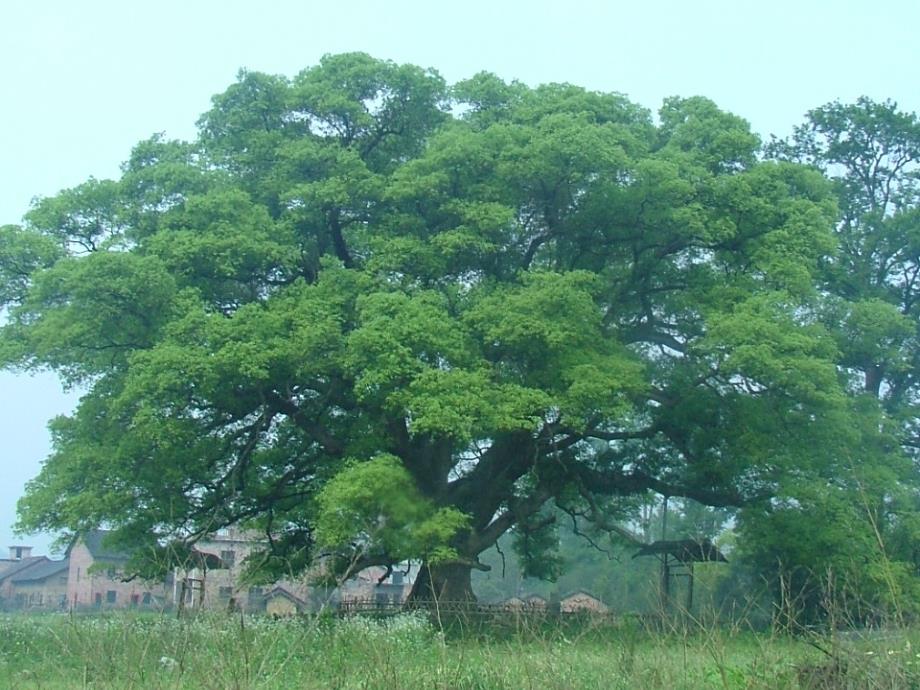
[677,557]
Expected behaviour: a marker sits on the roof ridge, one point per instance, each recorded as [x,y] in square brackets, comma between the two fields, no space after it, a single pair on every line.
[40,571]
[23,564]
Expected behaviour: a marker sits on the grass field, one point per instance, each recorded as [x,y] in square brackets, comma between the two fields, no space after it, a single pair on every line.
[407,651]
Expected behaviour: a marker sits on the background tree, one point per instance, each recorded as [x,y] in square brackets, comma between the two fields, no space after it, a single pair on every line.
[590,556]
[341,291]
[871,151]
[860,525]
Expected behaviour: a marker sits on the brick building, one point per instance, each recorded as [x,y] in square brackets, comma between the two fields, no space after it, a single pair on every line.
[20,561]
[95,578]
[92,577]
[41,587]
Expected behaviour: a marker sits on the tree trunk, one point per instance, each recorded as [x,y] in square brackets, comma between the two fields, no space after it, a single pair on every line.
[446,582]
[873,379]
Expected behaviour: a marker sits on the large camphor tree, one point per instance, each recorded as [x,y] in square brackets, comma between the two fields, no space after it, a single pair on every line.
[384,319]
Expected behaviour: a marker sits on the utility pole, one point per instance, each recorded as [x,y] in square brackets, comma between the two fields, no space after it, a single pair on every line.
[665,566]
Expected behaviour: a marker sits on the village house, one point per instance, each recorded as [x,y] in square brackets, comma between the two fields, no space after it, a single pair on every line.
[513,604]
[581,600]
[280,602]
[92,576]
[212,580]
[95,578]
[528,602]
[41,587]
[578,600]
[20,560]
[376,585]
[215,578]
[219,583]
[535,601]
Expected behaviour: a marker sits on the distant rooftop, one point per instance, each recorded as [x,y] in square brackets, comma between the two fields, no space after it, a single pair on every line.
[18,566]
[94,542]
[41,571]
[20,551]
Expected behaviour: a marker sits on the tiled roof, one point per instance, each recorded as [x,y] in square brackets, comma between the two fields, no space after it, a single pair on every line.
[19,566]
[280,591]
[41,571]
[94,542]
[581,593]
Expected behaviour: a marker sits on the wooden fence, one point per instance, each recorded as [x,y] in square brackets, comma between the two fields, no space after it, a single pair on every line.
[476,612]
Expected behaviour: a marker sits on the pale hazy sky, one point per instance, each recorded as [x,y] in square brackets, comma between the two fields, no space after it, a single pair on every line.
[84,81]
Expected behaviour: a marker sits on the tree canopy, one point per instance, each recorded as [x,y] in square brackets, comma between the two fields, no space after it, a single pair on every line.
[378,316]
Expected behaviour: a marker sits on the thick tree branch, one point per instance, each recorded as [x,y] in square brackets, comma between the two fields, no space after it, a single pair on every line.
[515,512]
[338,239]
[646,433]
[310,426]
[646,333]
[613,482]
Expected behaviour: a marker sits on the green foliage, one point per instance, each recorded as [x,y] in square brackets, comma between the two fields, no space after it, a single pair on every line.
[446,309]
[375,507]
[83,315]
[858,527]
[83,219]
[21,254]
[720,141]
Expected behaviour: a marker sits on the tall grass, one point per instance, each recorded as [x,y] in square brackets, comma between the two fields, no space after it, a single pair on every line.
[240,652]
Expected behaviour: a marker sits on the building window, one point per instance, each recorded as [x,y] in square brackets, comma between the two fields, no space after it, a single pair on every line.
[135,600]
[98,599]
[255,599]
[110,596]
[225,592]
[146,599]
[110,572]
[229,558]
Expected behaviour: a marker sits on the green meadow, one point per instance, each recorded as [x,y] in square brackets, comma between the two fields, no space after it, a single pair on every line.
[410,651]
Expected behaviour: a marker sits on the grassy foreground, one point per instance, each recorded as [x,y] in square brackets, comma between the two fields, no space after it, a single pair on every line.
[135,651]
